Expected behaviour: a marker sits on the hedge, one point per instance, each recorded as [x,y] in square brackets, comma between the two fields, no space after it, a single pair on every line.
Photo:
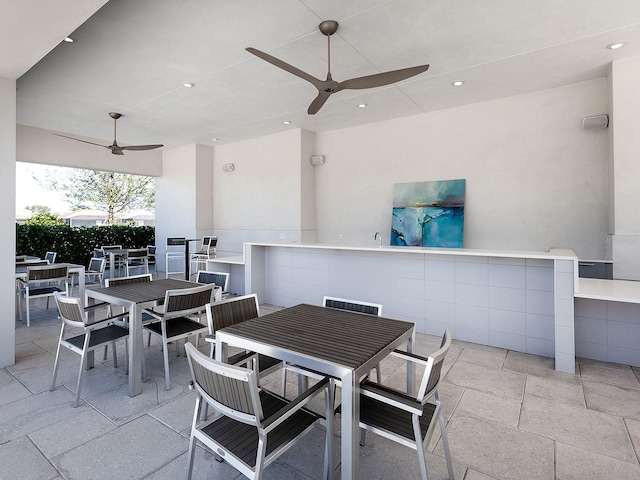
[76,244]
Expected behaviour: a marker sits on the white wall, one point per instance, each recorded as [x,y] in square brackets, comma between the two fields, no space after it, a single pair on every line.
[534,178]
[7,218]
[262,199]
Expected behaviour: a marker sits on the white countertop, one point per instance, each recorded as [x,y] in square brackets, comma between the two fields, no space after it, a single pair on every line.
[555,253]
[611,290]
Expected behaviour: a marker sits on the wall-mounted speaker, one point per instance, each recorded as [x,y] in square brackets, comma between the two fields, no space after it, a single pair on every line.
[228,167]
[317,160]
[597,122]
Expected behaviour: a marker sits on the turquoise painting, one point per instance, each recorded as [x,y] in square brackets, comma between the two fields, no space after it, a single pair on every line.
[428,214]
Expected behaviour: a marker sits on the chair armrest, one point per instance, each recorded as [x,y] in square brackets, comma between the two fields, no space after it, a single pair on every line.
[153,313]
[104,321]
[97,305]
[410,357]
[290,408]
[210,338]
[391,396]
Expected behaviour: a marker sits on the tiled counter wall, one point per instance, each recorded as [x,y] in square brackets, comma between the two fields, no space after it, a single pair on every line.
[608,331]
[491,300]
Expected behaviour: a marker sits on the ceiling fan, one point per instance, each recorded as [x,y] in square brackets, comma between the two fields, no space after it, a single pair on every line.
[114,147]
[330,86]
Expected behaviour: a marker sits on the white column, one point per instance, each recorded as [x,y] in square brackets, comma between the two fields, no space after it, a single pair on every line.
[625,168]
[8,219]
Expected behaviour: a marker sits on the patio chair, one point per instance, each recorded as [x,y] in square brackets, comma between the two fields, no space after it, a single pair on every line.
[51,257]
[207,250]
[356,306]
[137,258]
[252,427]
[118,260]
[406,419]
[231,312]
[151,249]
[94,274]
[175,252]
[42,281]
[221,279]
[177,322]
[93,336]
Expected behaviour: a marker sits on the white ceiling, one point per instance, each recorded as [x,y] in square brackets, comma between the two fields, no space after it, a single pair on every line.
[133,57]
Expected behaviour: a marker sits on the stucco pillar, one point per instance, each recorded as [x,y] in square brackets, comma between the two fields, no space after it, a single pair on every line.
[8,219]
[625,167]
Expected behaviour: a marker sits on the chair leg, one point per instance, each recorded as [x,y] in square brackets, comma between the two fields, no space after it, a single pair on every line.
[283,388]
[28,311]
[55,364]
[115,355]
[83,361]
[422,457]
[165,353]
[445,444]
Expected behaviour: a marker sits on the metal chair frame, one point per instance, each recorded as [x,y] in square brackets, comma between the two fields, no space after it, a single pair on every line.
[175,323]
[42,281]
[241,433]
[137,258]
[175,250]
[95,335]
[406,419]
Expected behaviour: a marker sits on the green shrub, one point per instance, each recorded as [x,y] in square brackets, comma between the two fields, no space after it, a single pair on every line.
[76,244]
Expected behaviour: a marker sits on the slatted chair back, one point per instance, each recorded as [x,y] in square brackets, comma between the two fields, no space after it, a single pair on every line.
[187,301]
[112,282]
[20,258]
[231,390]
[433,369]
[234,310]
[353,305]
[96,265]
[111,247]
[57,273]
[71,311]
[219,278]
[51,257]
[137,253]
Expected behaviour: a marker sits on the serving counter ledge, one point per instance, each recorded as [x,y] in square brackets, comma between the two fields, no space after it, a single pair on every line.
[519,300]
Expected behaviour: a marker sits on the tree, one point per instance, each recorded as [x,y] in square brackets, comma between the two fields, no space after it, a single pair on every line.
[47,219]
[37,209]
[108,191]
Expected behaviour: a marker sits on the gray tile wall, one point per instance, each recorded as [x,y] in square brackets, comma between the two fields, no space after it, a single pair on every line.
[502,302]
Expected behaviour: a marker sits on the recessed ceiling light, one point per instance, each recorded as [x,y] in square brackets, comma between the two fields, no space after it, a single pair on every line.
[189,85]
[616,45]
[458,83]
[362,105]
[287,122]
[69,40]
[214,139]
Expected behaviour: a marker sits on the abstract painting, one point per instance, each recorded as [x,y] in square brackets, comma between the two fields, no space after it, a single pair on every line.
[428,214]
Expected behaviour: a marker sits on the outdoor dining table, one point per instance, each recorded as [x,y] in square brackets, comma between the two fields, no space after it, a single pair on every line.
[135,297]
[338,343]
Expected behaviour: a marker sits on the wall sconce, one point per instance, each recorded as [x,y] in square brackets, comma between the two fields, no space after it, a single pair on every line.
[228,167]
[317,160]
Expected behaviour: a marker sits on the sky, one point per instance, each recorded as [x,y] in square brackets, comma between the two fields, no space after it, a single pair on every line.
[30,192]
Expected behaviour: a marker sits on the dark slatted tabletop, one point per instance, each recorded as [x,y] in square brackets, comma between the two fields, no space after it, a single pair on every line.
[338,336]
[144,292]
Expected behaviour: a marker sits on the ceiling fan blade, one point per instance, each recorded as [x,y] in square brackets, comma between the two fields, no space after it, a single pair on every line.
[381,79]
[285,66]
[83,141]
[318,102]
[140,147]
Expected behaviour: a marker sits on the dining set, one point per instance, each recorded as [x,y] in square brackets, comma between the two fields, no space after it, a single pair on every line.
[329,347]
[335,348]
